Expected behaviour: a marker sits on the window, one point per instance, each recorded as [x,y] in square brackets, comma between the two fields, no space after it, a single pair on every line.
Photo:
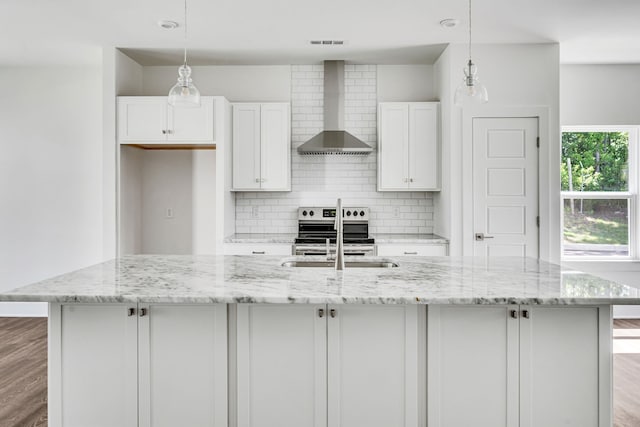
[599,193]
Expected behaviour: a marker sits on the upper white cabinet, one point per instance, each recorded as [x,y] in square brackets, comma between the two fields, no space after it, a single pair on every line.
[329,365]
[526,366]
[408,146]
[261,147]
[150,119]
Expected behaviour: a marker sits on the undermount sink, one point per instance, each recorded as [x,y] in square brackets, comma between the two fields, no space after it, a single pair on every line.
[379,263]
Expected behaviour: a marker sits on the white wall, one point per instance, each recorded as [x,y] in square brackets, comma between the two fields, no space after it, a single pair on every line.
[50,175]
[259,83]
[599,95]
[520,78]
[406,83]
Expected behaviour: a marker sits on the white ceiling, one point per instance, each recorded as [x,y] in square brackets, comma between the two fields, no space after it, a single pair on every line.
[278,31]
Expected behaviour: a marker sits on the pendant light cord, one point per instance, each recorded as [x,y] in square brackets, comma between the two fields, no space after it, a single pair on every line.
[469,29]
[185,32]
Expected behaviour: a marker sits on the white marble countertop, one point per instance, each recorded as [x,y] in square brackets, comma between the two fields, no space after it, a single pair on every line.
[261,238]
[432,239]
[261,279]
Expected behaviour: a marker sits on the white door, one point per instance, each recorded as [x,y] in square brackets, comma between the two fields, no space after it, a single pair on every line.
[182,365]
[142,118]
[281,365]
[373,365]
[191,124]
[565,374]
[246,146]
[93,379]
[275,146]
[423,146]
[393,146]
[472,366]
[505,186]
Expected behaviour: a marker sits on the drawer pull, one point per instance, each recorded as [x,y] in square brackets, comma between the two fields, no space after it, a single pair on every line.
[525,314]
[332,312]
[411,253]
[143,312]
[131,312]
[514,314]
[258,252]
[321,312]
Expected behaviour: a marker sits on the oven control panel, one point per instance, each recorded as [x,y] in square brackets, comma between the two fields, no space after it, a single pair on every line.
[329,214]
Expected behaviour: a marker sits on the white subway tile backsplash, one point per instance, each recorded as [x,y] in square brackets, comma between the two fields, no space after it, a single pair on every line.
[320,180]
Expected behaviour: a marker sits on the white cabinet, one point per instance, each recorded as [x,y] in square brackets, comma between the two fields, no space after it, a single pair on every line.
[92,365]
[412,249]
[149,366]
[150,120]
[319,366]
[408,146]
[283,249]
[261,147]
[526,366]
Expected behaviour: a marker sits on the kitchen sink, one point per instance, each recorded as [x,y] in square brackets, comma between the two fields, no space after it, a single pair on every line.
[364,263]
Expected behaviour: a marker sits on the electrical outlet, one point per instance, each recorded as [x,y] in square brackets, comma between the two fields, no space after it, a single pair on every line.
[255,213]
[396,212]
[169,213]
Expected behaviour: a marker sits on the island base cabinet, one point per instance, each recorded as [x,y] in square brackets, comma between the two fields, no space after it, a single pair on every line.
[329,365]
[519,366]
[129,365]
[92,365]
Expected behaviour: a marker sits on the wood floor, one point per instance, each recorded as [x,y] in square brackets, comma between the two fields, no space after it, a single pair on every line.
[23,373]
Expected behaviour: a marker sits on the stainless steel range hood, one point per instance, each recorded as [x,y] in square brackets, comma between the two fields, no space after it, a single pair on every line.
[334,139]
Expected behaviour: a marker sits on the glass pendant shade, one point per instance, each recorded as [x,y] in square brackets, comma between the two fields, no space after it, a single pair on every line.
[471,90]
[184,93]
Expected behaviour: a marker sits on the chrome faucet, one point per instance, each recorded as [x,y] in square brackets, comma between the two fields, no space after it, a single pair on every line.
[339,227]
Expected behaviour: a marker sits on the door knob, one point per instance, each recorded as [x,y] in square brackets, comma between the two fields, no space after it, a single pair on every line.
[481,236]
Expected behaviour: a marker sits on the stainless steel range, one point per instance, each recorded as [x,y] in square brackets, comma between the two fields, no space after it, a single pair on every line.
[317,235]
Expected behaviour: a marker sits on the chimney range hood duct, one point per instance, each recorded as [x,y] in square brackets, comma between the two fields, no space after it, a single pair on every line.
[334,139]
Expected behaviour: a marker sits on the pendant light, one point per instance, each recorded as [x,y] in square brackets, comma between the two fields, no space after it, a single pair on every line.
[471,89]
[184,93]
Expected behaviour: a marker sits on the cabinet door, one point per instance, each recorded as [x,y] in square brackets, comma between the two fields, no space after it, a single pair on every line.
[246,146]
[191,124]
[472,366]
[92,365]
[258,249]
[393,146]
[281,365]
[397,249]
[566,365]
[275,147]
[183,365]
[374,365]
[424,159]
[142,118]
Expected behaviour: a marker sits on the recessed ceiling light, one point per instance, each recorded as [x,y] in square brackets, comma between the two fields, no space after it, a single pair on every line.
[168,25]
[449,23]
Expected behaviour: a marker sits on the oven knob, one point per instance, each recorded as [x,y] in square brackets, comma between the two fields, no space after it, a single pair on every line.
[348,213]
[355,213]
[310,213]
[361,213]
[304,213]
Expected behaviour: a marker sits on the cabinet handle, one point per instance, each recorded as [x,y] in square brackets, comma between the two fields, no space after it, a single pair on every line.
[526,314]
[514,314]
[258,252]
[411,253]
[321,312]
[332,312]
[263,180]
[257,179]
[406,180]
[410,179]
[131,312]
[169,132]
[143,312]
[164,131]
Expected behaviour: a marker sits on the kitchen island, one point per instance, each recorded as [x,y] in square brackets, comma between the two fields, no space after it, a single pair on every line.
[438,342]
